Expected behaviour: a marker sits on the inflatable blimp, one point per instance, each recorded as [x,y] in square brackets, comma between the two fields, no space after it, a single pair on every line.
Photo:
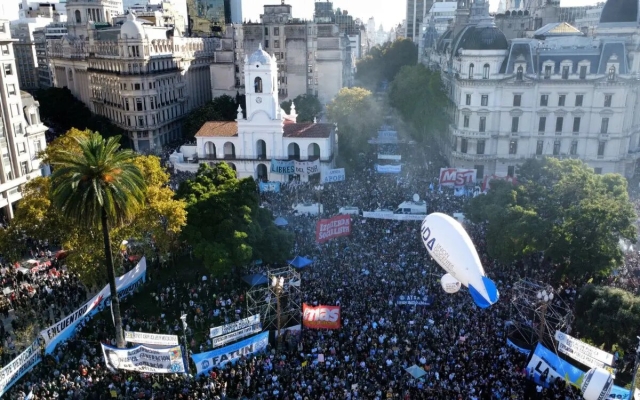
[596,384]
[450,245]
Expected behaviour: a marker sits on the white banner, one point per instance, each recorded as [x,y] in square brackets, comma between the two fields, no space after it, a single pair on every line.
[389,157]
[233,336]
[19,366]
[151,338]
[145,359]
[582,352]
[64,329]
[333,175]
[391,215]
[234,326]
[307,167]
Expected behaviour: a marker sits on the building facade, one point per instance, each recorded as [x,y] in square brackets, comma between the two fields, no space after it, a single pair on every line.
[22,134]
[560,94]
[41,37]
[416,10]
[267,133]
[25,50]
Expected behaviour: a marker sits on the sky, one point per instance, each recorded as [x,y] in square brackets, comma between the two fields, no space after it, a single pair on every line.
[386,12]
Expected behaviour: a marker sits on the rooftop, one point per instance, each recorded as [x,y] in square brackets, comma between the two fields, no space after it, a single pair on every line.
[307,130]
[218,129]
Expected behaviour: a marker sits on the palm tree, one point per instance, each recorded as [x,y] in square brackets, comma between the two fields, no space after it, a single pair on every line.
[98,184]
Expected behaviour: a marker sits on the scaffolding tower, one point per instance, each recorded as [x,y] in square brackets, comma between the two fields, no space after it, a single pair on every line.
[263,299]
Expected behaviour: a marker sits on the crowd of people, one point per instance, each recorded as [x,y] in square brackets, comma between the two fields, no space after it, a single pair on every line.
[461,348]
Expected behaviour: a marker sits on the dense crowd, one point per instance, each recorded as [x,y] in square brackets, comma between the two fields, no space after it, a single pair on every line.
[462,348]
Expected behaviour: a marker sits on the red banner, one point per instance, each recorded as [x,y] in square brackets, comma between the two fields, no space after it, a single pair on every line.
[486,183]
[321,317]
[327,229]
[457,177]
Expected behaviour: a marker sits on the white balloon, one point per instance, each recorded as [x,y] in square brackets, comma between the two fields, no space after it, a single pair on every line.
[596,384]
[450,284]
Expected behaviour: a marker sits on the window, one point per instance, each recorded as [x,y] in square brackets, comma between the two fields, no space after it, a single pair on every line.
[482,126]
[607,100]
[561,100]
[544,100]
[612,73]
[480,147]
[565,72]
[598,170]
[485,71]
[38,145]
[484,100]
[542,124]
[576,124]
[152,103]
[136,86]
[559,123]
[511,170]
[468,100]
[465,121]
[547,71]
[515,121]
[604,125]
[24,167]
[15,110]
[276,31]
[276,44]
[539,147]
[471,71]
[519,74]
[257,85]
[517,99]
[21,148]
[140,120]
[574,148]
[266,31]
[583,72]
[8,70]
[11,89]
[5,49]
[139,104]
[579,99]
[463,145]
[513,147]
[17,129]
[266,43]
[601,147]
[479,172]
[556,147]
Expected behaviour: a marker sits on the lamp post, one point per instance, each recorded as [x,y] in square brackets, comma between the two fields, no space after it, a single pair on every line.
[544,298]
[635,371]
[278,286]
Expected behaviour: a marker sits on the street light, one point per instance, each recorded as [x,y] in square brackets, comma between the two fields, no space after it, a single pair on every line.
[544,298]
[278,287]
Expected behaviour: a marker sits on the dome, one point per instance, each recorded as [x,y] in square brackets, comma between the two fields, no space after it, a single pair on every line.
[476,37]
[616,11]
[132,28]
[260,57]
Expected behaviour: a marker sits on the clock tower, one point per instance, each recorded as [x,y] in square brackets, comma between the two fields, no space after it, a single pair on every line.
[261,86]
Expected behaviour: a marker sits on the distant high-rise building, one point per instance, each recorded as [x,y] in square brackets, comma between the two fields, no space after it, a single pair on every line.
[236,11]
[416,10]
[208,17]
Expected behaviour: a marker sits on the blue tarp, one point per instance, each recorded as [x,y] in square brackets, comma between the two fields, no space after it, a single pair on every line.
[256,279]
[300,262]
[281,222]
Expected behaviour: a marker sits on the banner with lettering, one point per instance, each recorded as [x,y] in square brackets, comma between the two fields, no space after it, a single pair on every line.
[457,176]
[388,169]
[234,326]
[65,328]
[307,167]
[387,136]
[233,336]
[19,366]
[390,215]
[321,317]
[269,187]
[141,358]
[333,175]
[292,167]
[411,300]
[486,182]
[327,229]
[220,357]
[393,157]
[582,352]
[151,338]
[283,167]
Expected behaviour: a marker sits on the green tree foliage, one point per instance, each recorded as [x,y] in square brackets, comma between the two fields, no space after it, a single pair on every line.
[608,317]
[561,208]
[225,224]
[99,185]
[384,62]
[358,117]
[418,95]
[307,107]
[222,108]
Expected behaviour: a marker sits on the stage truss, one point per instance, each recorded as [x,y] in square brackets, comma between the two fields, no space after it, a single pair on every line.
[263,299]
[534,319]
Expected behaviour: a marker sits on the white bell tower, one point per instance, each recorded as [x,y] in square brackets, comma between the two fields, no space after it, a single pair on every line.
[261,85]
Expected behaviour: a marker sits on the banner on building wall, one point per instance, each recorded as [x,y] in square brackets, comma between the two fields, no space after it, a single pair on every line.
[269,187]
[234,326]
[307,167]
[333,175]
[65,328]
[19,366]
[388,169]
[293,167]
[486,182]
[141,358]
[233,336]
[327,229]
[584,353]
[283,167]
[151,338]
[457,177]
[220,357]
[321,317]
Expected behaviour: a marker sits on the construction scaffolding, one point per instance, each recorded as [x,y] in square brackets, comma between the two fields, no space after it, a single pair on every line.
[537,311]
[263,299]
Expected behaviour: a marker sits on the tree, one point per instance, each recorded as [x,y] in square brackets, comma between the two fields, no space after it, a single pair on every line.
[562,209]
[384,62]
[222,108]
[99,185]
[308,107]
[417,94]
[225,224]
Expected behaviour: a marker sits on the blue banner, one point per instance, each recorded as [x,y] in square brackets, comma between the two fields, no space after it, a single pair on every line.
[384,134]
[283,167]
[219,357]
[544,359]
[412,300]
[19,366]
[520,349]
[388,169]
[269,187]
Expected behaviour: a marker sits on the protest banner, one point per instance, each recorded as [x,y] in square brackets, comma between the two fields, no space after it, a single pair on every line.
[220,357]
[151,338]
[327,229]
[283,167]
[234,326]
[333,175]
[233,336]
[390,215]
[388,169]
[411,300]
[457,176]
[321,317]
[141,358]
[269,187]
[19,366]
[588,355]
[307,167]
[292,167]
